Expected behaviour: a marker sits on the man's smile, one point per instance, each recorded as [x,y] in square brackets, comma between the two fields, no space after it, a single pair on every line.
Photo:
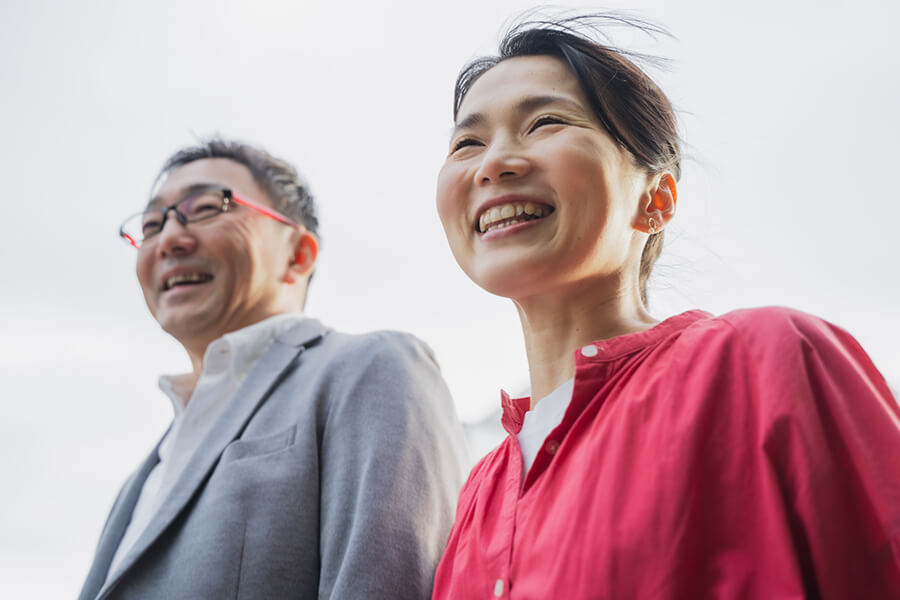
[192,279]
[185,278]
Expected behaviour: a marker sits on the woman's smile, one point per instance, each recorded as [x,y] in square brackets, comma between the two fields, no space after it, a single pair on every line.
[505,213]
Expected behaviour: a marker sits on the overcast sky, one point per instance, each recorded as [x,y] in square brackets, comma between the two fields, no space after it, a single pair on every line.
[789,195]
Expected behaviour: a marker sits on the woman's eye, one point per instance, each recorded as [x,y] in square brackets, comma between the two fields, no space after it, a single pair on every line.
[460,144]
[546,120]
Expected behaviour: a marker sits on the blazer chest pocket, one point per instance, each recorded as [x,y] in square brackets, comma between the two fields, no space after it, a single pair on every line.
[252,447]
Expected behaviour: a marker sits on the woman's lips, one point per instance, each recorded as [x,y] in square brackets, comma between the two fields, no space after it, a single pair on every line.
[508,214]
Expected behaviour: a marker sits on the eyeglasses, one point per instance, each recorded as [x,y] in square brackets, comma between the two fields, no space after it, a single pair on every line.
[200,204]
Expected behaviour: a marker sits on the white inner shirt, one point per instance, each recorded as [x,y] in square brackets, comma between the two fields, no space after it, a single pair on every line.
[226,363]
[541,420]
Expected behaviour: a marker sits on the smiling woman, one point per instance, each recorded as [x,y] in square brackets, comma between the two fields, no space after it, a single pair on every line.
[702,456]
[528,115]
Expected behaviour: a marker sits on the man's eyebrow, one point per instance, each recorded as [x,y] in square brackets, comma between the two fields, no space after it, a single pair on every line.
[157,201]
[524,106]
[471,120]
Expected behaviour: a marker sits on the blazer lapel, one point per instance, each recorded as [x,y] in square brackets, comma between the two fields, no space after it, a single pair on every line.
[262,379]
[118,520]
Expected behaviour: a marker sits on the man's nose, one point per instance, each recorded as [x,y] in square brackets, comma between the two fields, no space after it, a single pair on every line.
[175,237]
[503,159]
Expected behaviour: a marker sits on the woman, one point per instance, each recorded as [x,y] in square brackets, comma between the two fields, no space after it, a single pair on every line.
[750,455]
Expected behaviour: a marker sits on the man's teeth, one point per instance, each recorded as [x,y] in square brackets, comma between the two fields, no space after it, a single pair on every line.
[510,214]
[186,278]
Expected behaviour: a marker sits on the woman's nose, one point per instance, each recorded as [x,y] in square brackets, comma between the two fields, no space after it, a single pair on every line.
[503,159]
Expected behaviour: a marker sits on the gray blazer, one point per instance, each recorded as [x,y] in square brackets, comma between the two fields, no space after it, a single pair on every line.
[333,473]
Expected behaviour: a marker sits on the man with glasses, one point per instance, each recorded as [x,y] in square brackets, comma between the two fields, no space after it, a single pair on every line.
[301,462]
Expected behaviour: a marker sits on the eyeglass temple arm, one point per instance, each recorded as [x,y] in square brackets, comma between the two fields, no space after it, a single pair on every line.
[129,239]
[269,212]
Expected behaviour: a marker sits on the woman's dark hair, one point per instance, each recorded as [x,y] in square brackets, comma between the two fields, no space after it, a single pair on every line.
[632,108]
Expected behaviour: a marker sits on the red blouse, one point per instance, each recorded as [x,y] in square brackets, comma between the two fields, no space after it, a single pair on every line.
[752,455]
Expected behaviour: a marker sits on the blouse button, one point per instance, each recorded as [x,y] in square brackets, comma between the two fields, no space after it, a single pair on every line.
[589,351]
[498,588]
[551,447]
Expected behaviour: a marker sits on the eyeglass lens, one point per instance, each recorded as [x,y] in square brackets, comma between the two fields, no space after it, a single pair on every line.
[195,207]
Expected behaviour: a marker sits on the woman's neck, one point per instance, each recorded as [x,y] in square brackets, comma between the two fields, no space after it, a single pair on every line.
[557,324]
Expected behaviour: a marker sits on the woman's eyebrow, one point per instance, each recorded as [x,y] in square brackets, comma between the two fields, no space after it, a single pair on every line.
[525,105]
[535,102]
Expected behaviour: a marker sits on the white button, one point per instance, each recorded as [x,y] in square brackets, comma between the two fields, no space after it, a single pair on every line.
[589,351]
[498,588]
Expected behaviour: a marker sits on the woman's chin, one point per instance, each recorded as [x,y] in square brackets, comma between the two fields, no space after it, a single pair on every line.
[512,281]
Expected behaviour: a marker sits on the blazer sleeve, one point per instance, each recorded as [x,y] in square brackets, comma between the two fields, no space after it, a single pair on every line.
[392,461]
[834,441]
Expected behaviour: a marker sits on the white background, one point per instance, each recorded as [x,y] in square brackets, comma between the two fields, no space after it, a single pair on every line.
[789,196]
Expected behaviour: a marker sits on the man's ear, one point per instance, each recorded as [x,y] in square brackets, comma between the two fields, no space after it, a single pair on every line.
[306,250]
[657,204]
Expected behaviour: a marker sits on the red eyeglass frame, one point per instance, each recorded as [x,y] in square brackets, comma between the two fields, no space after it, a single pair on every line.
[228,196]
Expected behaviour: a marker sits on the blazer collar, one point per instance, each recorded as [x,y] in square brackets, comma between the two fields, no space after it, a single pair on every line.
[305,333]
[262,379]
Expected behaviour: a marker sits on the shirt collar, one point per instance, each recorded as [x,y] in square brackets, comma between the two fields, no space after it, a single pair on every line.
[514,409]
[233,353]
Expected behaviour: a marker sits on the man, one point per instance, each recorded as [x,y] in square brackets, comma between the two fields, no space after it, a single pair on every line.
[301,462]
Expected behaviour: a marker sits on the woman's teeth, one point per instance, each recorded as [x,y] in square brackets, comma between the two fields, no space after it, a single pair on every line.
[505,215]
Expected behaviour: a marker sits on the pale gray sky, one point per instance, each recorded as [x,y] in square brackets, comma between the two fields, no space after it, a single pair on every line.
[789,111]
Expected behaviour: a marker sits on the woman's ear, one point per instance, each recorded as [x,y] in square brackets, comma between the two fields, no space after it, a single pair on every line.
[306,250]
[658,204]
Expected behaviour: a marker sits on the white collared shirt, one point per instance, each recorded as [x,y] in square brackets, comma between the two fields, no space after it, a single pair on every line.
[541,420]
[225,365]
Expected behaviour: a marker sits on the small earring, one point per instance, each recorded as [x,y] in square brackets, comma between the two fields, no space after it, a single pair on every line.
[651,224]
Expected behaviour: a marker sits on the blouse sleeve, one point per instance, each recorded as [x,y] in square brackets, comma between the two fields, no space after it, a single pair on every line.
[833,440]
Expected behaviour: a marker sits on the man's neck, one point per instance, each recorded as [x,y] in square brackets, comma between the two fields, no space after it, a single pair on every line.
[197,348]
